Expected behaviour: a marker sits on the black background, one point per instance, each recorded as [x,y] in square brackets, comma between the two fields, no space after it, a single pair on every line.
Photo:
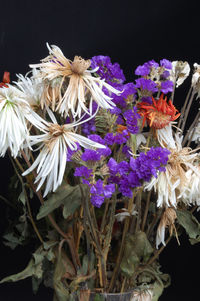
[131,33]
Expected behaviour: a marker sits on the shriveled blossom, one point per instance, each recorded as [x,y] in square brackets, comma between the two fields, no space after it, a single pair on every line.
[54,144]
[159,114]
[171,184]
[142,295]
[14,114]
[76,95]
[180,71]
[167,220]
[33,88]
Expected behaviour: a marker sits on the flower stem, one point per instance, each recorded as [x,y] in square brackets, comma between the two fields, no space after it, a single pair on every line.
[146,210]
[121,250]
[27,202]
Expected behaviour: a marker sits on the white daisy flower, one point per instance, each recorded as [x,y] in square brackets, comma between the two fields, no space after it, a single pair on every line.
[170,184]
[54,144]
[180,71]
[191,194]
[76,84]
[13,124]
[32,87]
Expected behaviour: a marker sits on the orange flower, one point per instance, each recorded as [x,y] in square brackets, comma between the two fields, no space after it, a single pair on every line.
[6,79]
[159,113]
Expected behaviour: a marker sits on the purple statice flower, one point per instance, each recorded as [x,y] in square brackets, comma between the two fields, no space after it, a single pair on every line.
[112,73]
[143,70]
[99,192]
[96,138]
[89,126]
[109,138]
[146,85]
[126,151]
[128,175]
[121,138]
[83,171]
[166,64]
[153,64]
[148,164]
[165,74]
[101,151]
[91,155]
[117,111]
[125,188]
[132,117]
[113,166]
[128,91]
[167,86]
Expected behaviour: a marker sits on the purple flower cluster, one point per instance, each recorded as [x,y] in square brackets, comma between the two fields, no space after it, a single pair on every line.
[132,117]
[99,192]
[112,73]
[146,83]
[127,91]
[95,155]
[118,138]
[128,175]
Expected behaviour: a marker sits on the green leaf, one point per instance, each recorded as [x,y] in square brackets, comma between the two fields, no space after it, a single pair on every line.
[137,248]
[30,270]
[12,240]
[190,224]
[22,197]
[69,196]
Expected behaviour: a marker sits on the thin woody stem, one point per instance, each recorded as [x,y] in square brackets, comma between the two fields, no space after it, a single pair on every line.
[121,250]
[68,237]
[146,210]
[27,202]
[157,253]
[183,108]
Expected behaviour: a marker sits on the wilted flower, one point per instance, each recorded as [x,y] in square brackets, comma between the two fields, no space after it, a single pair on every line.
[170,184]
[167,220]
[82,88]
[32,87]
[180,71]
[142,295]
[55,141]
[14,111]
[158,114]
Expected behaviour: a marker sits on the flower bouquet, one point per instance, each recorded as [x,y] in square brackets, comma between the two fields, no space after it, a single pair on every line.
[106,173]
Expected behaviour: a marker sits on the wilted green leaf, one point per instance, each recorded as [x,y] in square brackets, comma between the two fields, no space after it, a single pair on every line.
[69,196]
[137,249]
[12,240]
[190,224]
[35,284]
[30,270]
[22,197]
[157,290]
[61,291]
